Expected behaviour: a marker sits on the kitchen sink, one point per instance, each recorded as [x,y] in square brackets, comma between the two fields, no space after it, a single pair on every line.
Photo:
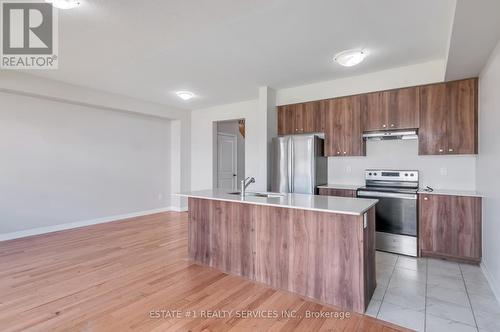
[266,195]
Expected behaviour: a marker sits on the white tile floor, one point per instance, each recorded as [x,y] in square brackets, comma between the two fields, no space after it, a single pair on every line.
[433,295]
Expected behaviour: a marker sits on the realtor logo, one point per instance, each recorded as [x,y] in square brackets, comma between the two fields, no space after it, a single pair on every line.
[29,35]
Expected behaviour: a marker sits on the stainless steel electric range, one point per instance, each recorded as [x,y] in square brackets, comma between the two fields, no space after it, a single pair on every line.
[396,212]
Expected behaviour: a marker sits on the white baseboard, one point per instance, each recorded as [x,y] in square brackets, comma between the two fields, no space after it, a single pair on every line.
[61,227]
[179,209]
[491,281]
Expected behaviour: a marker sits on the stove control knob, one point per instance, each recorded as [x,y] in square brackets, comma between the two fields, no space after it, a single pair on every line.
[406,174]
[375,174]
[412,174]
[370,174]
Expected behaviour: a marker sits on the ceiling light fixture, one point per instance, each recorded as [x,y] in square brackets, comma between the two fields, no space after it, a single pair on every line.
[185,95]
[64,4]
[350,58]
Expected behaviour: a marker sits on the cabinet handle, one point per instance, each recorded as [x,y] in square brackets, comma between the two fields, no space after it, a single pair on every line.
[450,150]
[345,152]
[338,152]
[392,124]
[441,150]
[383,126]
[426,198]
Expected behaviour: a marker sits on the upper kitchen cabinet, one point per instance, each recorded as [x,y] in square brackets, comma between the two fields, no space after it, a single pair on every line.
[393,109]
[463,117]
[344,127]
[300,118]
[371,105]
[448,118]
[402,107]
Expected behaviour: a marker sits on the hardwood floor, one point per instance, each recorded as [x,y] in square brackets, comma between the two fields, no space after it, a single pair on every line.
[120,276]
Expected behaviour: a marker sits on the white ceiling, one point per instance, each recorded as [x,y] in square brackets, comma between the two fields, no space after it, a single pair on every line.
[223,50]
[476,32]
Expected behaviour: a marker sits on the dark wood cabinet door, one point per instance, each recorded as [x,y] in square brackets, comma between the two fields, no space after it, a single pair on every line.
[344,127]
[463,117]
[402,107]
[450,227]
[433,120]
[300,114]
[286,119]
[310,119]
[434,216]
[333,127]
[337,192]
[300,118]
[375,115]
[353,123]
[466,219]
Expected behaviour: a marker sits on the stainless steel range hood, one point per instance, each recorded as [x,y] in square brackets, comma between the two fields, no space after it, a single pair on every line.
[390,134]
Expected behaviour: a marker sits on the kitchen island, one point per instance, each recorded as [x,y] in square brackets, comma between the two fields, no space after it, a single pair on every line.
[317,246]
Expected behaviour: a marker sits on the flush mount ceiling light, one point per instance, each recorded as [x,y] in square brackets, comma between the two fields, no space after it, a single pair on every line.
[350,58]
[185,95]
[64,4]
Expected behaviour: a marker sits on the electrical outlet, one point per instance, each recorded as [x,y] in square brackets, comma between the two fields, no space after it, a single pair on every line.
[160,196]
[348,169]
[443,171]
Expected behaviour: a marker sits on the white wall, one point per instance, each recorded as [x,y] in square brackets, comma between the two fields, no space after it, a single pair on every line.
[29,85]
[450,172]
[202,142]
[62,163]
[488,165]
[267,109]
[423,73]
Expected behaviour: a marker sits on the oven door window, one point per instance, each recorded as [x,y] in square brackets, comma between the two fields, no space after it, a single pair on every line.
[396,215]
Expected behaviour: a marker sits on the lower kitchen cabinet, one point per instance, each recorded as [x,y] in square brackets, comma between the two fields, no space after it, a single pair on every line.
[450,227]
[337,192]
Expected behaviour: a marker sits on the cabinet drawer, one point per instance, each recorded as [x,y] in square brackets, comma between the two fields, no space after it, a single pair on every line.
[337,192]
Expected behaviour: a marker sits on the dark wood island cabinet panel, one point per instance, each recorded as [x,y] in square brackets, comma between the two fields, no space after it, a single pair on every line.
[450,227]
[325,256]
[337,192]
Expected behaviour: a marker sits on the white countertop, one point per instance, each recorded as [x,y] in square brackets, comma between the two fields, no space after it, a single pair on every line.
[340,205]
[341,186]
[469,193]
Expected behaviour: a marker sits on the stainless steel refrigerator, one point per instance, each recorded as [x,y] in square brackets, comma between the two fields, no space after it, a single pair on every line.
[298,164]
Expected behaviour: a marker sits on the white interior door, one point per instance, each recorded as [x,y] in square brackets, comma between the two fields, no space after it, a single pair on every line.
[227,164]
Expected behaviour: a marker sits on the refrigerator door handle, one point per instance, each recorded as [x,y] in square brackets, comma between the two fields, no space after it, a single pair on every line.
[290,164]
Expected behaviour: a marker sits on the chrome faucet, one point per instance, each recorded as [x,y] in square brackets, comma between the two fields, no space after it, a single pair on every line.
[244,184]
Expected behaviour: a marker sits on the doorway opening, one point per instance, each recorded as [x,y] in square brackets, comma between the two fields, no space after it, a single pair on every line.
[229,154]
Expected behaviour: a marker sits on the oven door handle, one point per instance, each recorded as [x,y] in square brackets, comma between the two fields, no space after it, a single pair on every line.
[389,195]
